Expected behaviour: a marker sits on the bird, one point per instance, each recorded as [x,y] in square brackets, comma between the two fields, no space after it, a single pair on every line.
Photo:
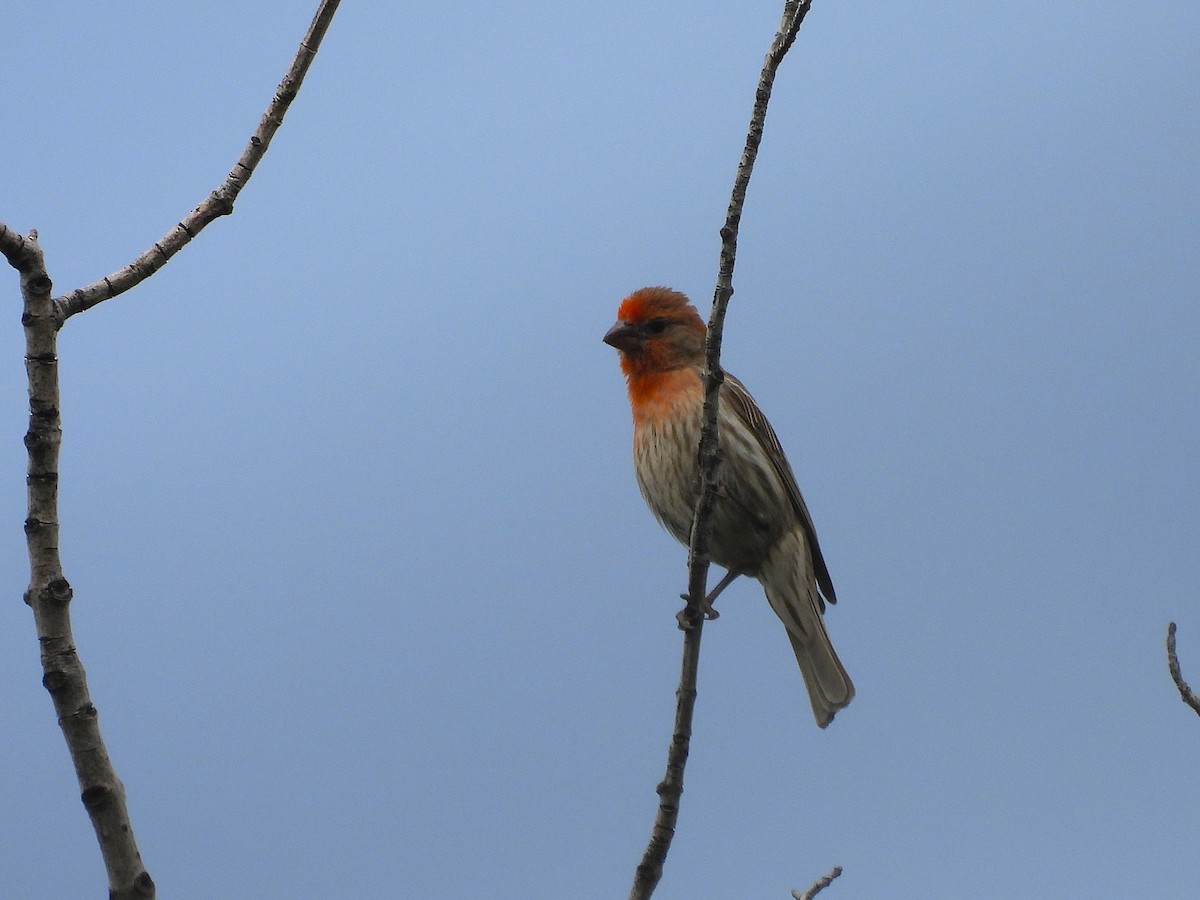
[761,526]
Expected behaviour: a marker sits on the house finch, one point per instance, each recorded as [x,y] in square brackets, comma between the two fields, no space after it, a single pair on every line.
[761,526]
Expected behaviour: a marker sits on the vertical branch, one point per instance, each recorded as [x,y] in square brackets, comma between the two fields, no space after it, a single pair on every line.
[49,594]
[670,790]
[793,15]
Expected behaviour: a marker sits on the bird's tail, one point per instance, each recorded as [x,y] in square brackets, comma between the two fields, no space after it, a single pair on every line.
[829,687]
[792,592]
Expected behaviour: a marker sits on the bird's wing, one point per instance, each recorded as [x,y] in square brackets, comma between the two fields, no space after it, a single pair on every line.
[744,407]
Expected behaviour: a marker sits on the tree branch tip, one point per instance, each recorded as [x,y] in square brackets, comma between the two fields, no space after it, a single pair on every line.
[819,885]
[1185,692]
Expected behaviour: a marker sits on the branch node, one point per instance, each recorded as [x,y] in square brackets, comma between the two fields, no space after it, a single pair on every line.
[85,713]
[222,202]
[55,680]
[59,591]
[96,797]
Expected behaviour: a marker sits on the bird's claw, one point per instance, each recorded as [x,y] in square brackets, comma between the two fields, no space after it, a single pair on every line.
[706,607]
[686,617]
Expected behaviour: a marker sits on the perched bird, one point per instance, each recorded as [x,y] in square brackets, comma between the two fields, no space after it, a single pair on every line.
[761,526]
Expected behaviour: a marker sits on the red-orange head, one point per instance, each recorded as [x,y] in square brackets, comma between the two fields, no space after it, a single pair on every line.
[657,330]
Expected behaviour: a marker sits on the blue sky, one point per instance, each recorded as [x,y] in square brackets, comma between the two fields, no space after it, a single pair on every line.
[366,592]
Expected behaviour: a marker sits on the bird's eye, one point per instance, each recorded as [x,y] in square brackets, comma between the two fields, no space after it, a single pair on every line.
[656,326]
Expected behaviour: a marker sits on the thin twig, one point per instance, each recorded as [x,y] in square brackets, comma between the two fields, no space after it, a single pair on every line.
[670,790]
[709,452]
[219,202]
[819,885]
[1188,695]
[49,593]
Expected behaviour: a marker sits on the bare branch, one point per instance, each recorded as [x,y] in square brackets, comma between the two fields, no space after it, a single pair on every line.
[819,885]
[670,790]
[49,594]
[219,202]
[1188,695]
[793,14]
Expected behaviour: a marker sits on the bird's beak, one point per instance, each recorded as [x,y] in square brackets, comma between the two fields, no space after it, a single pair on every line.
[624,337]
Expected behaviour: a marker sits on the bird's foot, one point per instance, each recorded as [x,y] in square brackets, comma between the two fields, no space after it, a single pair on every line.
[689,615]
[686,617]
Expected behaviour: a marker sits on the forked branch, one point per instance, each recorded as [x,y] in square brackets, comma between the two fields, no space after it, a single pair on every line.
[49,593]
[670,790]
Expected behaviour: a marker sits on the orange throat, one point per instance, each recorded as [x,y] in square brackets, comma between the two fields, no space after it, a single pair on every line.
[656,395]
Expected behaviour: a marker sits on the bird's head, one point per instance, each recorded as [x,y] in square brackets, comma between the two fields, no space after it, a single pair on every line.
[657,330]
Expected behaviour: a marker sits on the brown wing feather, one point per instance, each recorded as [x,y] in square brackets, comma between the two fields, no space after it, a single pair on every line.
[747,410]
